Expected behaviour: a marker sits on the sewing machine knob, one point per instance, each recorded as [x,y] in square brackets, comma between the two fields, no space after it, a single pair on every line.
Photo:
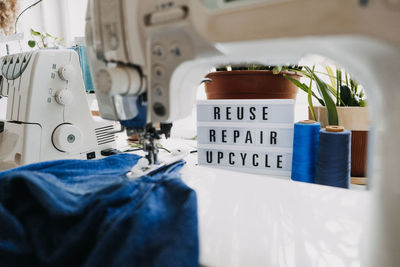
[67,138]
[66,73]
[63,97]
[159,109]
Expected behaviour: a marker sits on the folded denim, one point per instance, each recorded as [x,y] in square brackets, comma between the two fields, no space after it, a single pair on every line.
[87,213]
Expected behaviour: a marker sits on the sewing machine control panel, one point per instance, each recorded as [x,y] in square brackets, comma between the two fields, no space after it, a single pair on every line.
[168,49]
[21,75]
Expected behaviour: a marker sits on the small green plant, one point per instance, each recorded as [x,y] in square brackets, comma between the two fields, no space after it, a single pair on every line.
[343,91]
[44,40]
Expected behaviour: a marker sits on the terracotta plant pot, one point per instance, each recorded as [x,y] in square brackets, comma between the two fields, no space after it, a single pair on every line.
[355,119]
[250,84]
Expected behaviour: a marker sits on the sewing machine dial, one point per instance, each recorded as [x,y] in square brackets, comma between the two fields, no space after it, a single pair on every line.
[66,72]
[67,138]
[63,97]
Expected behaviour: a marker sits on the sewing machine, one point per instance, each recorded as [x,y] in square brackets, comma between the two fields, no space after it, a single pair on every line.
[148,56]
[48,116]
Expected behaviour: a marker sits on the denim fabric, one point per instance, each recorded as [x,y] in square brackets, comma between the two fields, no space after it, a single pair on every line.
[87,213]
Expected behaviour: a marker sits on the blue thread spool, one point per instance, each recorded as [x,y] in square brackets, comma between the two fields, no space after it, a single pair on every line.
[85,68]
[305,150]
[334,155]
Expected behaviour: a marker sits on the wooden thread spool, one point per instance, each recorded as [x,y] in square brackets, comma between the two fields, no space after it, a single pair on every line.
[334,128]
[307,121]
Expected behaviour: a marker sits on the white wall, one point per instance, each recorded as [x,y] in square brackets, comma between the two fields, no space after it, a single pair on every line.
[76,17]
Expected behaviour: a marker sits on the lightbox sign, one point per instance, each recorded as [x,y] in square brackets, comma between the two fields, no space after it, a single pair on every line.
[254,136]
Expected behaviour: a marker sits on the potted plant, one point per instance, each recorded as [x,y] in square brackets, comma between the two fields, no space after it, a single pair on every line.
[44,40]
[252,81]
[342,102]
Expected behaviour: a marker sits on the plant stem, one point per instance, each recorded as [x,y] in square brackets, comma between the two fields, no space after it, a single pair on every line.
[329,103]
[310,103]
[338,84]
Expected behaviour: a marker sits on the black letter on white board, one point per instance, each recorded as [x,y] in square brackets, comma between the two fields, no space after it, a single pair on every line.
[240,111]
[273,138]
[212,135]
[253,115]
[220,156]
[255,164]
[217,115]
[209,156]
[279,161]
[223,136]
[236,134]
[228,113]
[265,113]
[231,162]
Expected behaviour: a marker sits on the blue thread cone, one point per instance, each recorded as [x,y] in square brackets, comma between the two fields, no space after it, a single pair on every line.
[305,151]
[85,68]
[334,156]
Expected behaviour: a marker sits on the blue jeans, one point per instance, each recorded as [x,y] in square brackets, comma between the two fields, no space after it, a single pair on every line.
[87,213]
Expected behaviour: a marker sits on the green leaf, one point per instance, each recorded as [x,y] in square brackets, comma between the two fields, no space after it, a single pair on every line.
[35,33]
[324,92]
[277,69]
[363,103]
[331,76]
[354,87]
[338,85]
[48,34]
[355,103]
[332,90]
[32,43]
[305,73]
[345,95]
[303,87]
[309,98]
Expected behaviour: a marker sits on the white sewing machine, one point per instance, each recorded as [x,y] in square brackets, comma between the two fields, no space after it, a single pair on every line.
[48,115]
[147,59]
